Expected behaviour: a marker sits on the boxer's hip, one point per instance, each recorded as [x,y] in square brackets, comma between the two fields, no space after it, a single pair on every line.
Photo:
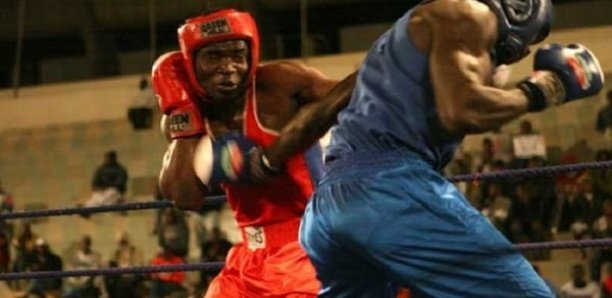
[269,263]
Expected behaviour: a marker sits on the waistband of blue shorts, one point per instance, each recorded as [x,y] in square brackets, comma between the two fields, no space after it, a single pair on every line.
[365,163]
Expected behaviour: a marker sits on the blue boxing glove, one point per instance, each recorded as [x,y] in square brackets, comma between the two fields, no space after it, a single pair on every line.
[562,74]
[229,159]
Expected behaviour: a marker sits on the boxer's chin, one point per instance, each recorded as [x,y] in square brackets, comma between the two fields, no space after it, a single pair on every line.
[501,75]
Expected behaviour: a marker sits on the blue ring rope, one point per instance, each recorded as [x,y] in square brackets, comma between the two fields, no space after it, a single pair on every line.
[215,200]
[217,266]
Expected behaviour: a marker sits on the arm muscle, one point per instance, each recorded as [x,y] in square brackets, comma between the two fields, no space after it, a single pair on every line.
[461,67]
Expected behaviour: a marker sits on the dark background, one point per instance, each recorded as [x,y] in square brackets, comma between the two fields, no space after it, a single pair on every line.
[100,30]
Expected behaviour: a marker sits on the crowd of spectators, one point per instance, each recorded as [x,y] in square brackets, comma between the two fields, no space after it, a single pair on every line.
[578,204]
[23,250]
[34,253]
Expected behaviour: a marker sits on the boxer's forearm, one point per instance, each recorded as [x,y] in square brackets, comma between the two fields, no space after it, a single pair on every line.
[310,123]
[490,109]
[177,179]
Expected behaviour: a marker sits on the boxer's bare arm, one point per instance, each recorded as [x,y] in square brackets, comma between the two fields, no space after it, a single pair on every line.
[323,99]
[462,34]
[177,179]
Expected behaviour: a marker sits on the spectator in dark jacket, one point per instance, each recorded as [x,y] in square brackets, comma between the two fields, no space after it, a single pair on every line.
[109,183]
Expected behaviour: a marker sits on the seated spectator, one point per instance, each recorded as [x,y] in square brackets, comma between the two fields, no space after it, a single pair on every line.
[497,206]
[544,193]
[602,228]
[25,247]
[602,178]
[582,150]
[165,284]
[606,284]
[553,288]
[173,232]
[525,208]
[46,260]
[5,249]
[109,183]
[579,286]
[214,250]
[6,229]
[125,255]
[85,286]
[585,209]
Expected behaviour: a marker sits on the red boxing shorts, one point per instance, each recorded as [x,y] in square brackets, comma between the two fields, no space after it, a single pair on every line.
[269,263]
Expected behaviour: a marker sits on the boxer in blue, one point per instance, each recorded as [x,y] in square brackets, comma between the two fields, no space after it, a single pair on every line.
[383,216]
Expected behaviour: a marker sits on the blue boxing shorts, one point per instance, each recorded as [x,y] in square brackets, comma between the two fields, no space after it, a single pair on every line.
[385,219]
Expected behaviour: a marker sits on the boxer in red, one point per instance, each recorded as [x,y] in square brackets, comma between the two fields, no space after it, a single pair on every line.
[215,92]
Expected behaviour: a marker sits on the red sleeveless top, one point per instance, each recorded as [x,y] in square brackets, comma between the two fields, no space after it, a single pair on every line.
[282,198]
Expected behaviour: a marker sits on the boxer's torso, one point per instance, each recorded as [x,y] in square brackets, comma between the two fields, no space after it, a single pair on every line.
[268,106]
[393,106]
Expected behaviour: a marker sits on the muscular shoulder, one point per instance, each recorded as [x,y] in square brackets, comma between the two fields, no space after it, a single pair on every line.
[285,74]
[468,20]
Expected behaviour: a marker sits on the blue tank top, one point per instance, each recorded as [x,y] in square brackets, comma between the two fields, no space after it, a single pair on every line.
[392,106]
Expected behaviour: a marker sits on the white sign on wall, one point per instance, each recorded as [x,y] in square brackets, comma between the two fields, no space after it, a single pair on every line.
[526,146]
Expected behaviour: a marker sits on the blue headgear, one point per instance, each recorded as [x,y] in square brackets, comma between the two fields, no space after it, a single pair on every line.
[520,23]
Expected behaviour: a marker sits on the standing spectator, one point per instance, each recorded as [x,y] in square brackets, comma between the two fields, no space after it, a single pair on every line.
[604,118]
[109,182]
[85,286]
[140,112]
[46,260]
[526,145]
[165,284]
[579,286]
[173,232]
[581,150]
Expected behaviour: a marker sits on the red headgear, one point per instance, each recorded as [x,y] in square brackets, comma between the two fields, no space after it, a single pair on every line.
[222,25]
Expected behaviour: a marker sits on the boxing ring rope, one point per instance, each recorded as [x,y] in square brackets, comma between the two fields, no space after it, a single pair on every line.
[216,266]
[214,200]
[533,172]
[208,267]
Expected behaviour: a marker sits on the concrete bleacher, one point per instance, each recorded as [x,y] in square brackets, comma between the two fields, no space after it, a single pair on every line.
[52,167]
[55,164]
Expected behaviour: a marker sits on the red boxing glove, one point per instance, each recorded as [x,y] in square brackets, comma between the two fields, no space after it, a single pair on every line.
[175,96]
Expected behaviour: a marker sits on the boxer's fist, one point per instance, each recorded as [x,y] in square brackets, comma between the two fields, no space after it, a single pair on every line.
[260,170]
[562,74]
[222,160]
[174,95]
[230,159]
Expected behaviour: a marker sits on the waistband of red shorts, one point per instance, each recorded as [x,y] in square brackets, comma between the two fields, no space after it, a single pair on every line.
[272,235]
